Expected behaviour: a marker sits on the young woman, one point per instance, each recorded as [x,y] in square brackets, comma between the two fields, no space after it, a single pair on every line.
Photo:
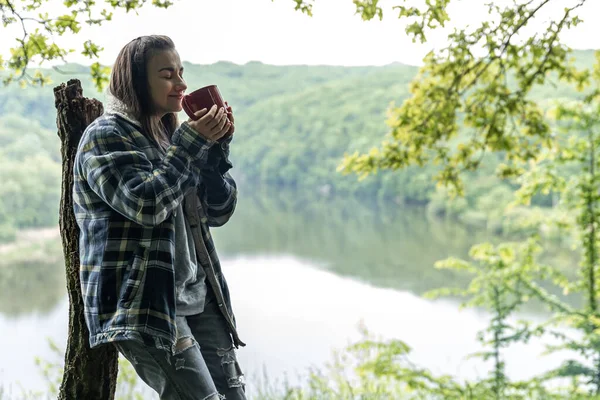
[146,191]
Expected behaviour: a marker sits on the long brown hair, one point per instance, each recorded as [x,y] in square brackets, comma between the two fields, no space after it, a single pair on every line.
[129,84]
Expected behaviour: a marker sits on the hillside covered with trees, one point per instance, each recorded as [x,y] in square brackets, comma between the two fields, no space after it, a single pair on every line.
[294,125]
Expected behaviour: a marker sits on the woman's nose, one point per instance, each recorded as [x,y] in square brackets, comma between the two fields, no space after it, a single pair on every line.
[181,85]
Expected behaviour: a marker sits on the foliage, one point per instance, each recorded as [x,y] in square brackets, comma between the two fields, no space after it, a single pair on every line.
[344,378]
[577,145]
[129,386]
[489,94]
[562,161]
[39,28]
[30,173]
[299,121]
[507,275]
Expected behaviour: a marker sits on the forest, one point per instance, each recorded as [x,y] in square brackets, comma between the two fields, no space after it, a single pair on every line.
[294,126]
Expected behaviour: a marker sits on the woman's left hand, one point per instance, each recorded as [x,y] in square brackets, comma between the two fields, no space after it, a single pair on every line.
[231,119]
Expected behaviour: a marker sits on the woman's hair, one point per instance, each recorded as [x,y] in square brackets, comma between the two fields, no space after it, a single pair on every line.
[129,84]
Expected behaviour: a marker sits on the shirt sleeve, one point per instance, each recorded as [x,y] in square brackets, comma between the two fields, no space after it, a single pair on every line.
[119,172]
[220,187]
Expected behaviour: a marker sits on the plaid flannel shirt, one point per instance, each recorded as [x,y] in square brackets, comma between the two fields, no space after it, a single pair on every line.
[124,194]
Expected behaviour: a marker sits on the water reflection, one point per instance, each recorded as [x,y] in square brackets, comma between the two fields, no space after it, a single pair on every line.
[386,245]
[34,286]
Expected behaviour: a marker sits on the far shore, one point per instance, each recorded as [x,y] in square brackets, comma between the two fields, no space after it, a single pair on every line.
[26,237]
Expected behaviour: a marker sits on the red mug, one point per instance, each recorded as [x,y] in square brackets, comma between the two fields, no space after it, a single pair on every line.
[204,97]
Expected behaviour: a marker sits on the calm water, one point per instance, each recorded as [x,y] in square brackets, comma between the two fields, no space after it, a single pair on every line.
[303,276]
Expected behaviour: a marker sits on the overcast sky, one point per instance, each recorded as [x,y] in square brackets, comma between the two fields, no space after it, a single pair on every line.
[206,31]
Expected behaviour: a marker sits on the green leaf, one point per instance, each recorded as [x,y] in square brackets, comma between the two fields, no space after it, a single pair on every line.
[91,50]
[100,75]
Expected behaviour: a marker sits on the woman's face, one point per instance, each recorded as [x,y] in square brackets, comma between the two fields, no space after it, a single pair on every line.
[165,77]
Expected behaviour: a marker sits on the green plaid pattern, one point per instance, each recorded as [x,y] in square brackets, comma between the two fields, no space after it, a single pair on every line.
[124,193]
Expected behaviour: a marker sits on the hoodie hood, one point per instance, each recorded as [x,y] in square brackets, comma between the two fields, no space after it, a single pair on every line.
[116,106]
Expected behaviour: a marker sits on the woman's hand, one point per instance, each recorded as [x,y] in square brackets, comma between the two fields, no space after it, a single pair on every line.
[211,124]
[231,119]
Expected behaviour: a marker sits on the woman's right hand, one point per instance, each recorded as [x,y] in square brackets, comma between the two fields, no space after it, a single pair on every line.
[212,124]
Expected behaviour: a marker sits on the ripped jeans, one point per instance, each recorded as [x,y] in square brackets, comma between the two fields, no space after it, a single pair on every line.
[205,366]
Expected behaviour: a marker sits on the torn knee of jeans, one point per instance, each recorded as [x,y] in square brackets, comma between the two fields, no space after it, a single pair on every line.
[231,368]
[183,344]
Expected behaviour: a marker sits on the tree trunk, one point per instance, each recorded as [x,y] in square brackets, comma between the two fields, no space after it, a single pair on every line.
[88,374]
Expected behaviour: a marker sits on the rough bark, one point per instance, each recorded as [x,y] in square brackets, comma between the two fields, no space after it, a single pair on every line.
[88,374]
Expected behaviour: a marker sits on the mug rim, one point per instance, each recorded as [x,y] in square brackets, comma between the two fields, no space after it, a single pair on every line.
[199,89]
